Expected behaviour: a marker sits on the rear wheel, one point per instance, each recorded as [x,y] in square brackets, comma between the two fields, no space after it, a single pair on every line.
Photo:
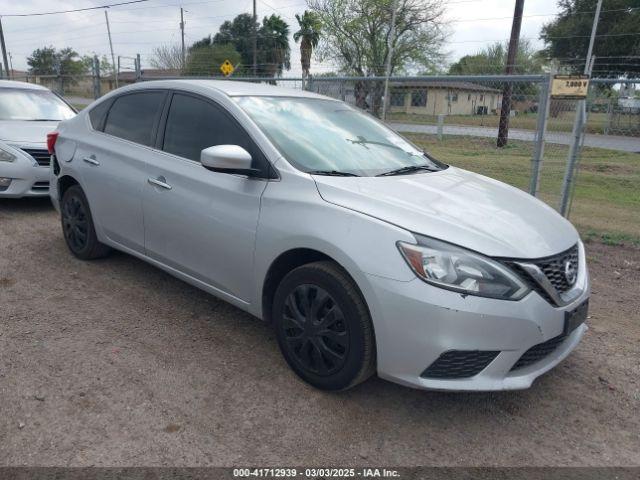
[77,226]
[323,327]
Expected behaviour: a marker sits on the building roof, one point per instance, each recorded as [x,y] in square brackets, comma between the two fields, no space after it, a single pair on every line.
[454,85]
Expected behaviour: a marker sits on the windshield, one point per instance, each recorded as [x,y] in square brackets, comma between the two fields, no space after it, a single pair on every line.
[33,105]
[330,137]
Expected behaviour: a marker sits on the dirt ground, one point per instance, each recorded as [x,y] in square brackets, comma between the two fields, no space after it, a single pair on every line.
[114,362]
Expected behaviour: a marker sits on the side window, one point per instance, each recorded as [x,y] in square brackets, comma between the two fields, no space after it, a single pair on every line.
[132,116]
[97,114]
[194,124]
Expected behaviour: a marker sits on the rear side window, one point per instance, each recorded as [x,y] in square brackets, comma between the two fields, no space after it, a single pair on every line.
[194,124]
[97,114]
[133,116]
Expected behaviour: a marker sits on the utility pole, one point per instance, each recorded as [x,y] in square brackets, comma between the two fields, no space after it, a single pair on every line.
[10,65]
[4,49]
[255,40]
[505,111]
[392,34]
[578,125]
[113,58]
[182,34]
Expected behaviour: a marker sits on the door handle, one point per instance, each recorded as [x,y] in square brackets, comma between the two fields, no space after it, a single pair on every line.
[159,182]
[91,160]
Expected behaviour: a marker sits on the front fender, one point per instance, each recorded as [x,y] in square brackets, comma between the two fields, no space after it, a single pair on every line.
[293,216]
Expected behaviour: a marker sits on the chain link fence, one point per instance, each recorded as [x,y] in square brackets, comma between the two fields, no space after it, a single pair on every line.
[457,118]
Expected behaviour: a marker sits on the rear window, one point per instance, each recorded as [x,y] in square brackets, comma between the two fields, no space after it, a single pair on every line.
[97,115]
[133,116]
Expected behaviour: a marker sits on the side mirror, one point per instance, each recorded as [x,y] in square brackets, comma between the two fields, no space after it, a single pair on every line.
[228,159]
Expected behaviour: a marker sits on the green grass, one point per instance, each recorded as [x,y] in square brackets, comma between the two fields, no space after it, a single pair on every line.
[596,122]
[606,204]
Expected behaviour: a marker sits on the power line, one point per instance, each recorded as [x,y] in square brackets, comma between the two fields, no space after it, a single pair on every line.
[71,11]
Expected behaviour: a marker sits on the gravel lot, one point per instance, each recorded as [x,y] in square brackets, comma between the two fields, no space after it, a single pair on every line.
[116,363]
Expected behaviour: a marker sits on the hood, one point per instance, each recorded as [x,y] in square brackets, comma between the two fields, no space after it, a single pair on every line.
[459,207]
[21,132]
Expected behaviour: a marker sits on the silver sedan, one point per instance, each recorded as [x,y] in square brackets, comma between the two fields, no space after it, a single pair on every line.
[365,253]
[27,113]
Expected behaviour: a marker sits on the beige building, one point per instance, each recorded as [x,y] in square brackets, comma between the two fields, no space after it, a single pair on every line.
[448,98]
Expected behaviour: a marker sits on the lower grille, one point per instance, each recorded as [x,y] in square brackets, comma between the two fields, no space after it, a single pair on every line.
[459,364]
[39,186]
[43,157]
[538,352]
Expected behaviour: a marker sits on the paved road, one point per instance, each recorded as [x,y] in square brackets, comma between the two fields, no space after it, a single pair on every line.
[79,100]
[610,142]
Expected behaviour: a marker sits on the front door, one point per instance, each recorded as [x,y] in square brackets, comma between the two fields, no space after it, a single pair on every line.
[199,222]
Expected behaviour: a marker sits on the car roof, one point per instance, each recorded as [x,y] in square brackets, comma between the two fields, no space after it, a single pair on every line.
[21,85]
[230,88]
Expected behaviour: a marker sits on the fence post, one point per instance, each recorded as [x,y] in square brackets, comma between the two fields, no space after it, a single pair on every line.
[96,77]
[574,149]
[138,69]
[544,101]
[440,125]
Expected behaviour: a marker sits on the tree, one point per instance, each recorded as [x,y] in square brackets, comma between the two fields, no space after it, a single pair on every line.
[617,43]
[239,33]
[64,63]
[105,65]
[167,57]
[272,38]
[309,36]
[49,61]
[491,60]
[274,52]
[206,60]
[355,34]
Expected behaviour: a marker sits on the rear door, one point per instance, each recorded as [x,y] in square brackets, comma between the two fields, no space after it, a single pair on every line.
[114,164]
[199,222]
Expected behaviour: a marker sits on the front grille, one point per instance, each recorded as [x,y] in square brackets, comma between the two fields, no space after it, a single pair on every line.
[459,364]
[43,157]
[538,352]
[553,268]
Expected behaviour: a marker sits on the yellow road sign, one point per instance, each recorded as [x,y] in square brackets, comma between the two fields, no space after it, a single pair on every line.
[226,68]
[570,86]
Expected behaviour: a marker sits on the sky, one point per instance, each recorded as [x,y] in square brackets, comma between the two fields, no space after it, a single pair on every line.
[137,28]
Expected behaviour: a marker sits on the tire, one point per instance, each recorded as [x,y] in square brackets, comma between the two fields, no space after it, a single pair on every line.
[323,327]
[77,226]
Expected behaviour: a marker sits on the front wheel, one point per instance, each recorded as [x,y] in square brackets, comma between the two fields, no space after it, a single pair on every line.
[323,327]
[77,225]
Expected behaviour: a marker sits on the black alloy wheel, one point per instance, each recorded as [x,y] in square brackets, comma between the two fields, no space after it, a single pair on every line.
[323,326]
[315,329]
[77,225]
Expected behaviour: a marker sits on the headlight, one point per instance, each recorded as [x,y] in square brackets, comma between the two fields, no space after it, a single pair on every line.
[460,270]
[6,155]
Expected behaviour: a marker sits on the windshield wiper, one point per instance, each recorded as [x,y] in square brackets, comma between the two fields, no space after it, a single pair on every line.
[408,169]
[333,173]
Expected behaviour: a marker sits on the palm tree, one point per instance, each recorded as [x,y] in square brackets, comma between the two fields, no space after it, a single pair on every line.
[309,36]
[276,54]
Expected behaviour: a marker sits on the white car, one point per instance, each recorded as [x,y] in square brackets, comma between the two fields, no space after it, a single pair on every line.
[27,113]
[365,253]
